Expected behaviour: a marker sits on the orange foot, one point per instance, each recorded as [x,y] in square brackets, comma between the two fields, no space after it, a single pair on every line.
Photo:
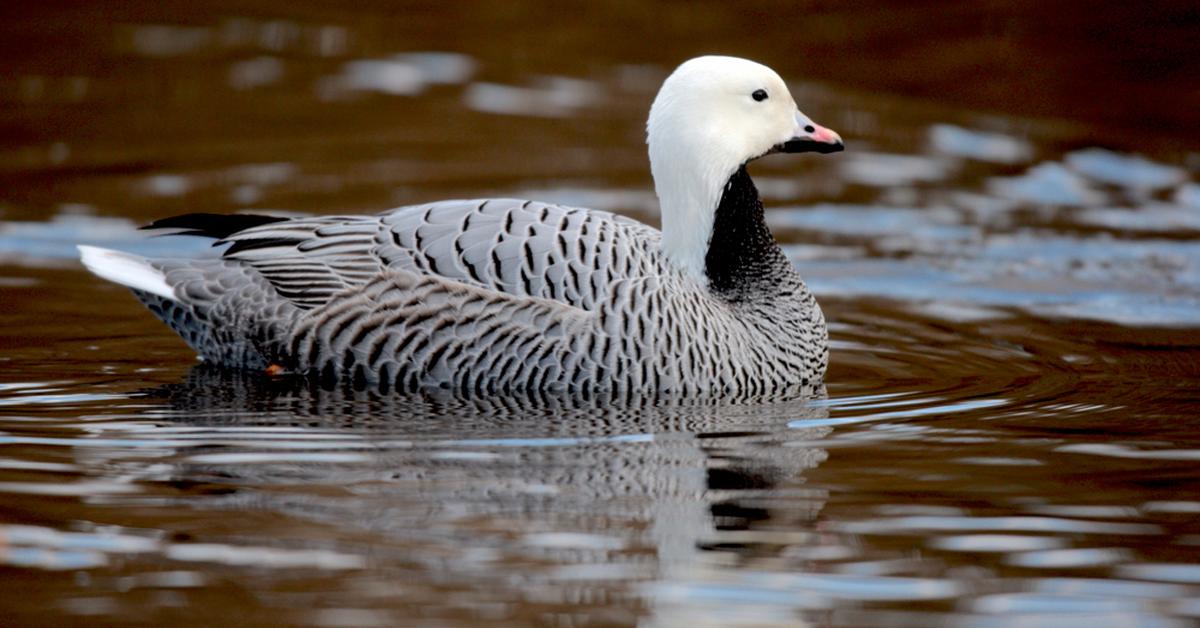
[274,370]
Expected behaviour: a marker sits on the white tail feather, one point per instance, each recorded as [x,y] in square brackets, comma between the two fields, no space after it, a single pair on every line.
[126,269]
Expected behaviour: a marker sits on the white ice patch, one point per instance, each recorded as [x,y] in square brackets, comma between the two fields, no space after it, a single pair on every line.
[1127,171]
[439,68]
[168,185]
[386,76]
[1188,195]
[550,96]
[932,224]
[990,147]
[406,74]
[888,170]
[1048,183]
[1156,217]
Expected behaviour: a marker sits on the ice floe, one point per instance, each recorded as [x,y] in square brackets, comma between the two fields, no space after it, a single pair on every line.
[1048,183]
[1128,171]
[971,144]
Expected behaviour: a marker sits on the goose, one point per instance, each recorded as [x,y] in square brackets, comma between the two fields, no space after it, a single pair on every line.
[504,295]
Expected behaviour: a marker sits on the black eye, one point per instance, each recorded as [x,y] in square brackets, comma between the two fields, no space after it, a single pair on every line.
[808,128]
[759,95]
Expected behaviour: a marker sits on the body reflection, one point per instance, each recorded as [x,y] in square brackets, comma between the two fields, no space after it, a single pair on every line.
[547,499]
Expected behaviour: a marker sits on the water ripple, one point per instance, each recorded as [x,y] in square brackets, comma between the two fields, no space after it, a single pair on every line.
[1011,524]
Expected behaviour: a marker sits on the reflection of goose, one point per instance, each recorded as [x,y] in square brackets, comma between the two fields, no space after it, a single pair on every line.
[485,492]
[500,294]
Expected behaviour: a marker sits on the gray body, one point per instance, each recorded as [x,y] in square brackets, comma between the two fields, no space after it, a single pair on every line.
[504,295]
[490,296]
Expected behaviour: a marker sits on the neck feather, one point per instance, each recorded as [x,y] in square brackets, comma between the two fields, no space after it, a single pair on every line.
[742,259]
[689,180]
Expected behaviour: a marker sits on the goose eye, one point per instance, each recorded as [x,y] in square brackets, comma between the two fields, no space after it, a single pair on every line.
[759,95]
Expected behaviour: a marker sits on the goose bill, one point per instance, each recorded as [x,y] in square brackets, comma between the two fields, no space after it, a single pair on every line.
[818,140]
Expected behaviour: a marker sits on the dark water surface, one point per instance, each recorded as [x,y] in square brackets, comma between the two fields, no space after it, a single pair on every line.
[1008,253]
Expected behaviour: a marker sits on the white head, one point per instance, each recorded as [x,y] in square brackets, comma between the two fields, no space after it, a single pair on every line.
[711,116]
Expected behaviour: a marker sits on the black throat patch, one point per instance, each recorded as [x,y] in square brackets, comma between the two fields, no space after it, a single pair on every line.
[743,259]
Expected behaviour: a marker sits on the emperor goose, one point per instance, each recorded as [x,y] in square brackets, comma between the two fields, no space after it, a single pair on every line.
[495,295]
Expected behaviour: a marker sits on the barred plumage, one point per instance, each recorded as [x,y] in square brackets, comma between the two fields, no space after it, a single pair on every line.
[502,295]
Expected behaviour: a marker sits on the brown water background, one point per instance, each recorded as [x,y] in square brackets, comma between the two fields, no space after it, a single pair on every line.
[1008,253]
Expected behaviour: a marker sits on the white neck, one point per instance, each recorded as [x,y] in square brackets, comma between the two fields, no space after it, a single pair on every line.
[703,125]
[689,178]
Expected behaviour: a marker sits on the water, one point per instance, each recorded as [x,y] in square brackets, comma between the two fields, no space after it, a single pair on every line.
[1012,274]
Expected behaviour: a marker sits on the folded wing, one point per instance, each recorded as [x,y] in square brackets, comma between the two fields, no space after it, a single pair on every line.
[517,248]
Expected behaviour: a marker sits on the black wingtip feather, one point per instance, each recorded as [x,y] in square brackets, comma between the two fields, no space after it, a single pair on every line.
[258,243]
[217,226]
